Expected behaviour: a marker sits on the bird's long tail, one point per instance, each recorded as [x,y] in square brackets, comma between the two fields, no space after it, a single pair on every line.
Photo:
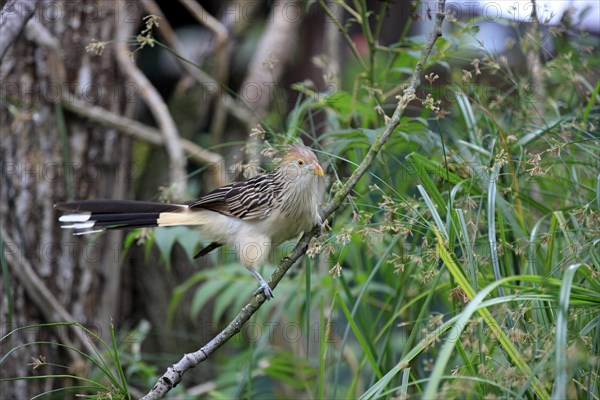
[90,216]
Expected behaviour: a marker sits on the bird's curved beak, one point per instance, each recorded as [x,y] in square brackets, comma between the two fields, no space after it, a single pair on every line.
[318,169]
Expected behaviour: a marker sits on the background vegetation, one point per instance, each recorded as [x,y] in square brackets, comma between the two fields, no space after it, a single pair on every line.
[465,264]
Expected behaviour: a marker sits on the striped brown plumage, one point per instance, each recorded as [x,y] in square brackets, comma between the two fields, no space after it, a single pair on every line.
[251,199]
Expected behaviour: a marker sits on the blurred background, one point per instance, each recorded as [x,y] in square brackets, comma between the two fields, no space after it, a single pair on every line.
[165,101]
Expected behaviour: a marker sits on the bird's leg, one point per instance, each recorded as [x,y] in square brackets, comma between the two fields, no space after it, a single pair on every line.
[264,286]
[318,230]
[253,251]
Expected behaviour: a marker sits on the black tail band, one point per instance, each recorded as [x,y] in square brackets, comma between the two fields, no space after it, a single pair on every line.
[117,206]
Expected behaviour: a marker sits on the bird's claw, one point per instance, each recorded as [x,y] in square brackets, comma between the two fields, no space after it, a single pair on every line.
[318,230]
[264,286]
[266,290]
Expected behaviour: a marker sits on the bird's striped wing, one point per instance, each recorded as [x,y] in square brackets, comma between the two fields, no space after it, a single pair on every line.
[248,200]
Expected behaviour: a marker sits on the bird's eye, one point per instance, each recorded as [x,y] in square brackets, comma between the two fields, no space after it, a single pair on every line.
[300,163]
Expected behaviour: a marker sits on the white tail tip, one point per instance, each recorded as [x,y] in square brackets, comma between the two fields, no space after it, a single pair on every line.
[80,225]
[81,217]
[88,232]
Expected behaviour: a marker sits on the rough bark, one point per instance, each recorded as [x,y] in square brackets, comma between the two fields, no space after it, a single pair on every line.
[13,17]
[49,155]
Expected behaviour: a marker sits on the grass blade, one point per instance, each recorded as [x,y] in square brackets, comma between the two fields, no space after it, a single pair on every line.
[561,381]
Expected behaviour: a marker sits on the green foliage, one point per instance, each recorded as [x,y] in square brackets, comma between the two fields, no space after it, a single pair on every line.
[165,238]
[457,252]
[464,265]
[105,378]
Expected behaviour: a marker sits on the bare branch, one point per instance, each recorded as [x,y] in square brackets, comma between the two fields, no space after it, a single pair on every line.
[13,17]
[202,16]
[221,68]
[174,374]
[237,109]
[138,130]
[156,105]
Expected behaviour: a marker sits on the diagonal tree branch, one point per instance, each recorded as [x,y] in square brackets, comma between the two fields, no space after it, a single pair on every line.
[128,126]
[146,133]
[156,105]
[174,374]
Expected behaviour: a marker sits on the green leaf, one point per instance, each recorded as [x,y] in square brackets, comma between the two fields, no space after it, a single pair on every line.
[204,294]
[181,290]
[371,134]
[165,239]
[360,337]
[237,286]
[189,240]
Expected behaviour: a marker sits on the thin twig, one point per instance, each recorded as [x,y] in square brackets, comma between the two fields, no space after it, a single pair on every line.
[344,32]
[157,106]
[13,17]
[174,374]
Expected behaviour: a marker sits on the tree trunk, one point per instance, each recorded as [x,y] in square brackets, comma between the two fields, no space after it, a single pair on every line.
[49,156]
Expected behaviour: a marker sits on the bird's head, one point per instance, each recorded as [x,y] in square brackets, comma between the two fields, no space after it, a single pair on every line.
[299,162]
